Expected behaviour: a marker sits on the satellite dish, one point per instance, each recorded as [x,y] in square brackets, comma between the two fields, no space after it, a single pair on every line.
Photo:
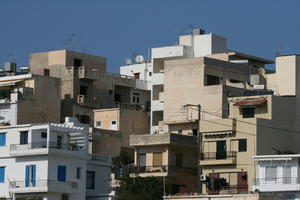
[261,71]
[139,59]
[128,61]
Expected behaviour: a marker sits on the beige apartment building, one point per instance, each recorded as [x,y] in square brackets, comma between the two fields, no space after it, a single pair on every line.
[85,84]
[237,109]
[112,128]
[25,98]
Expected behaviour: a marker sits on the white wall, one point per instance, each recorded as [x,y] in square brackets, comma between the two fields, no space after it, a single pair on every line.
[8,113]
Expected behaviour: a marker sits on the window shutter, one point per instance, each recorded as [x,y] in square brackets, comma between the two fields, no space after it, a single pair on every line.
[33,178]
[2,174]
[27,176]
[2,139]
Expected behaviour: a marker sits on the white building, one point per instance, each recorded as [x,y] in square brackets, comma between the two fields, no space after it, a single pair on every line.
[278,174]
[51,162]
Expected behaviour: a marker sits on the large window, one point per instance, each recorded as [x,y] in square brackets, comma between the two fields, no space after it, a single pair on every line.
[61,173]
[30,176]
[248,112]
[2,174]
[2,139]
[90,180]
[242,145]
[270,173]
[157,159]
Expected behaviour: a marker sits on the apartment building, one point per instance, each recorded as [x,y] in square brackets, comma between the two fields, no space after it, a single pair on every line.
[85,84]
[51,161]
[112,128]
[24,98]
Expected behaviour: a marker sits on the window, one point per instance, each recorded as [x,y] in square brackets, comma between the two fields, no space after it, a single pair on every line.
[2,174]
[46,72]
[78,172]
[77,62]
[242,145]
[180,131]
[136,98]
[98,123]
[117,97]
[2,139]
[113,122]
[90,180]
[61,173]
[30,176]
[235,81]
[83,90]
[24,137]
[212,80]
[157,159]
[64,197]
[137,75]
[150,73]
[179,159]
[195,132]
[59,141]
[270,173]
[84,119]
[248,112]
[110,92]
[43,134]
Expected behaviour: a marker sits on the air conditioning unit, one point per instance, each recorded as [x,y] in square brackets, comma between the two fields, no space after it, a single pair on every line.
[203,177]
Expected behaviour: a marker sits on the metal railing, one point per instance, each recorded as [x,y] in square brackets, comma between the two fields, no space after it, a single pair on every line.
[228,189]
[276,180]
[86,100]
[217,155]
[43,183]
[100,158]
[162,168]
[42,145]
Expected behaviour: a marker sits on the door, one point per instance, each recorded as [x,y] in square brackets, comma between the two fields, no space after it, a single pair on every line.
[142,162]
[221,150]
[242,182]
[24,137]
[30,176]
[61,173]
[211,187]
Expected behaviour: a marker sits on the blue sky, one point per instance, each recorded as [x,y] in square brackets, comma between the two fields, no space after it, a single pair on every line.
[118,28]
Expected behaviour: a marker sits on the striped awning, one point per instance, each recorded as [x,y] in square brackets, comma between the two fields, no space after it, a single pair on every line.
[252,102]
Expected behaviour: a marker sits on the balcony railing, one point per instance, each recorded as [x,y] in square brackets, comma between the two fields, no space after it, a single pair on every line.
[228,189]
[277,180]
[162,168]
[100,158]
[43,145]
[87,100]
[218,155]
[43,183]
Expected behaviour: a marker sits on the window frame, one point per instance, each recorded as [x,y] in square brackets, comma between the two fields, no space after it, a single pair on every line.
[242,148]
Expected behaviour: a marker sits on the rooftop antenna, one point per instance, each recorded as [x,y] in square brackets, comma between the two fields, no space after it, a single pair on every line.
[12,57]
[69,42]
[192,28]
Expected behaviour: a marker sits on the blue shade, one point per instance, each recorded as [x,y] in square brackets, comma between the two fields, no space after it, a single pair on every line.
[2,139]
[61,173]
[27,176]
[33,175]
[2,174]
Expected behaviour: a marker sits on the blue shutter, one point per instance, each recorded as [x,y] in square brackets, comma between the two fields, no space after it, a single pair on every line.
[33,172]
[2,139]
[27,176]
[2,174]
[61,173]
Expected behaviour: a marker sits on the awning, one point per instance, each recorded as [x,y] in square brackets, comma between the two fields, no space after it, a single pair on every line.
[252,102]
[9,83]
[217,133]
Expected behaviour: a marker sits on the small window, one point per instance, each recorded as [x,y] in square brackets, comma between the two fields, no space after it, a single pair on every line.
[180,131]
[23,137]
[90,180]
[179,159]
[138,99]
[2,174]
[2,139]
[212,80]
[78,172]
[113,122]
[46,72]
[248,112]
[195,132]
[77,62]
[150,73]
[133,99]
[235,81]
[137,75]
[242,145]
[43,134]
[64,197]
[98,123]
[110,92]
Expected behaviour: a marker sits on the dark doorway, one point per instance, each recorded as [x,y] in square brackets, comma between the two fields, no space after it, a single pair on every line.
[221,150]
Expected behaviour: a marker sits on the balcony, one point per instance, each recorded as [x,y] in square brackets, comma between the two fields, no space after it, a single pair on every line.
[215,158]
[42,186]
[100,159]
[84,100]
[41,148]
[276,184]
[162,170]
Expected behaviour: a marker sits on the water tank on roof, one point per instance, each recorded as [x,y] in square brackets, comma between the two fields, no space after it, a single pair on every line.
[10,67]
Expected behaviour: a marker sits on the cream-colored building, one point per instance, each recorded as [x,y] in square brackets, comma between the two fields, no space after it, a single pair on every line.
[85,84]
[25,98]
[112,128]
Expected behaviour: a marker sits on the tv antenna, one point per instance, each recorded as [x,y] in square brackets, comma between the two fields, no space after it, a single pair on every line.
[69,42]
